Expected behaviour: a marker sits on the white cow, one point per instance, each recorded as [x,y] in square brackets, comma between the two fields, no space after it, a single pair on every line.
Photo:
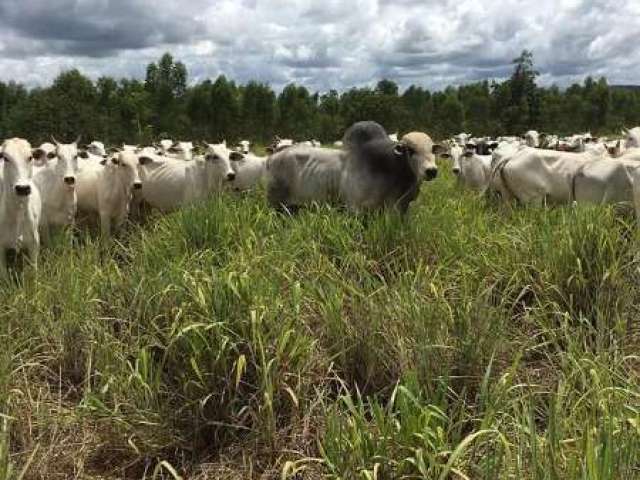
[605,181]
[250,171]
[170,183]
[393,137]
[532,139]
[20,203]
[244,146]
[165,144]
[105,187]
[632,137]
[181,151]
[97,148]
[539,176]
[462,138]
[56,181]
[472,170]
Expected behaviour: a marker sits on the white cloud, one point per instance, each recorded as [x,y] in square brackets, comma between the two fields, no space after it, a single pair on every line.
[322,43]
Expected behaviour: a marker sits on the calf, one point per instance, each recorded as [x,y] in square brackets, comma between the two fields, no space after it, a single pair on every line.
[20,203]
[105,188]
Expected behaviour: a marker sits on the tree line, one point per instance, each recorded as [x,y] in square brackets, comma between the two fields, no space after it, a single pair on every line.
[164,104]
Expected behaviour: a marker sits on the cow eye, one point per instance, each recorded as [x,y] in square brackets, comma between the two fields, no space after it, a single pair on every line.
[30,158]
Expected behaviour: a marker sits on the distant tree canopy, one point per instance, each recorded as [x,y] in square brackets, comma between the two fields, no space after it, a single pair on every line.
[134,111]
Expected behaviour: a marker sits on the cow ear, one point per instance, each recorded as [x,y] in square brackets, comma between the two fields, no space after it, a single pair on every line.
[144,160]
[468,154]
[437,148]
[445,155]
[236,156]
[51,155]
[83,154]
[400,149]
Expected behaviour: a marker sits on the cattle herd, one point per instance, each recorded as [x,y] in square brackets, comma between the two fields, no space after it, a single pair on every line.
[57,184]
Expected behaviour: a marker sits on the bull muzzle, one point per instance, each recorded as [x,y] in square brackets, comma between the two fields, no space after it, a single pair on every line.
[70,181]
[456,171]
[137,186]
[430,173]
[23,190]
[231,176]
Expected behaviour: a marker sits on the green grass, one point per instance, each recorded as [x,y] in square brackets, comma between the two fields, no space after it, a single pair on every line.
[469,340]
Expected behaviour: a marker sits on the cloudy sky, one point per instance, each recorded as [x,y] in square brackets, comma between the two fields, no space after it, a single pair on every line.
[322,43]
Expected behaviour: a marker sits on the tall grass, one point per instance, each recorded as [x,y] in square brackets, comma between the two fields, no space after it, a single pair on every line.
[468,340]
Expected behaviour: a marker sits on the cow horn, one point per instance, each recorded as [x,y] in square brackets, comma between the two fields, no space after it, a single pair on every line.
[54,140]
[77,141]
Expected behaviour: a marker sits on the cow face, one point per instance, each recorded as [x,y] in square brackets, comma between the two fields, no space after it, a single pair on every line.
[421,155]
[67,165]
[165,144]
[97,148]
[244,146]
[218,161]
[127,165]
[532,138]
[454,154]
[631,137]
[17,158]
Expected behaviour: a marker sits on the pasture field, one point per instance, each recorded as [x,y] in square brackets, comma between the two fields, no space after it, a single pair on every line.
[468,340]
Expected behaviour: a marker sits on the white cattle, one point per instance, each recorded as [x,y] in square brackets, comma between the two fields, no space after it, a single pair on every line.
[105,187]
[170,183]
[165,144]
[532,139]
[338,144]
[316,143]
[181,151]
[462,139]
[20,203]
[539,176]
[244,146]
[393,137]
[129,148]
[97,148]
[56,181]
[279,144]
[472,170]
[632,137]
[605,181]
[250,171]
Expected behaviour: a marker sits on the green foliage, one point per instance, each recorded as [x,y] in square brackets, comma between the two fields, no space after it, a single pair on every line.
[226,341]
[131,111]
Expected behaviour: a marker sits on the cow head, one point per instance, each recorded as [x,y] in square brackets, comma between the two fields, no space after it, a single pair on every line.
[17,158]
[421,153]
[218,161]
[126,165]
[454,154]
[96,148]
[67,164]
[632,137]
[244,146]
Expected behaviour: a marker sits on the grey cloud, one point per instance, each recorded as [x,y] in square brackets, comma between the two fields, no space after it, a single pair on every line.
[322,43]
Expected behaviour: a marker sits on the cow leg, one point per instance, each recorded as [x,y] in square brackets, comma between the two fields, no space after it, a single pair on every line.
[105,225]
[45,234]
[3,263]
[33,249]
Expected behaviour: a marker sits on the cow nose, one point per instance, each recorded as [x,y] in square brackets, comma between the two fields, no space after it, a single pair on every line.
[23,190]
[456,171]
[70,180]
[431,173]
[231,176]
[137,186]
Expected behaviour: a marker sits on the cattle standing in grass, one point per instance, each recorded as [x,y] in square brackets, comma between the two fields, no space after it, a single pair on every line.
[605,181]
[540,176]
[105,188]
[170,183]
[20,203]
[370,173]
[56,181]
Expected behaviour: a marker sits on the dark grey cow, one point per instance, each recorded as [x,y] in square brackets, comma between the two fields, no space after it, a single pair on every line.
[371,172]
